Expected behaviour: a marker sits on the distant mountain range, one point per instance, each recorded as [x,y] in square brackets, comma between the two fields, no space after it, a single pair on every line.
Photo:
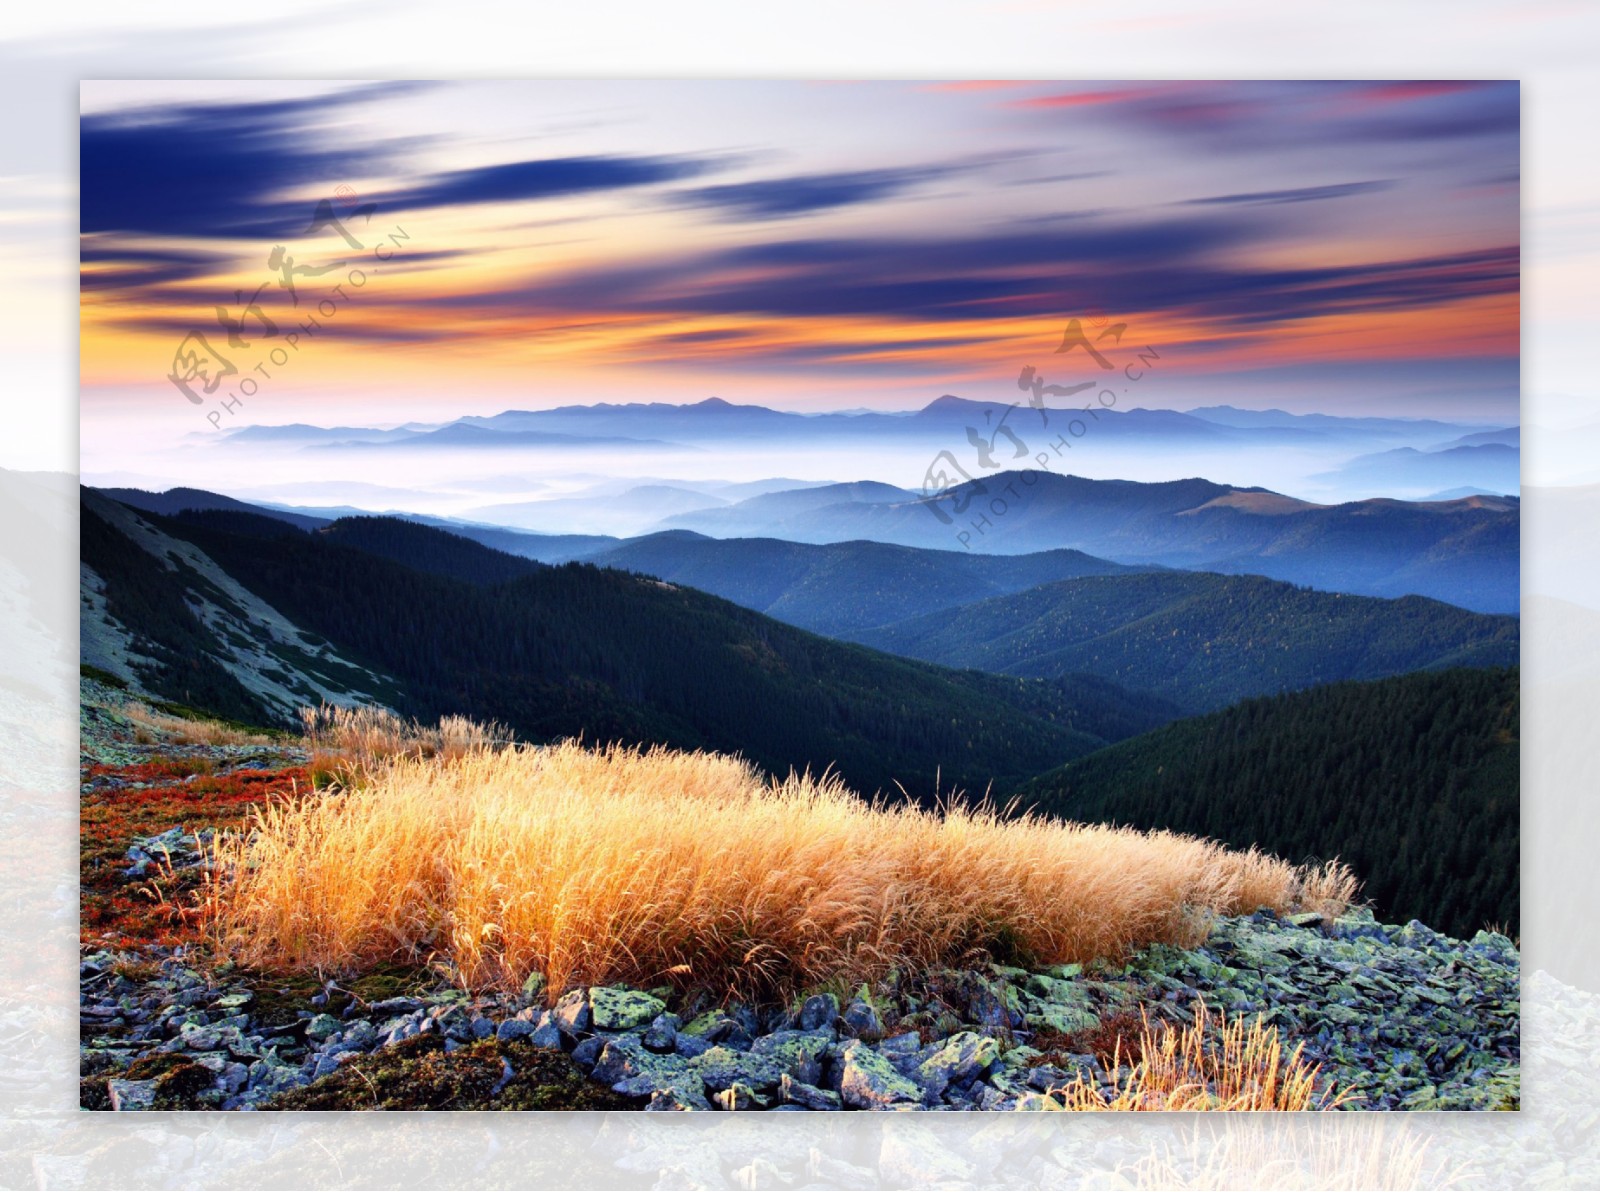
[944,419]
[1464,552]
[1487,464]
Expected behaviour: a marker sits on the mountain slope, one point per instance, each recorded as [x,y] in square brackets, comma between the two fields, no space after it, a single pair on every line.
[176,500]
[1199,639]
[1413,781]
[163,617]
[844,587]
[572,650]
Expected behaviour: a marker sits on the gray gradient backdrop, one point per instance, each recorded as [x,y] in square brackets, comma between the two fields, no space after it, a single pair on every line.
[44,51]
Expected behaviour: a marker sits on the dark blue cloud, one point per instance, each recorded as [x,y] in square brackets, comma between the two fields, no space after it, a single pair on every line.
[1299,194]
[1175,266]
[138,268]
[546,179]
[783,198]
[216,170]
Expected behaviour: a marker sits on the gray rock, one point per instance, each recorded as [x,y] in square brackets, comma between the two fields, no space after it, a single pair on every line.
[546,1035]
[482,1027]
[629,1069]
[799,1053]
[671,1100]
[395,1006]
[716,1027]
[131,1095]
[326,1066]
[901,1045]
[722,1067]
[863,1019]
[196,1034]
[736,1096]
[793,1092]
[571,1013]
[587,1052]
[690,1046]
[514,1028]
[868,1081]
[622,1009]
[321,1026]
[818,1012]
[663,1032]
[962,1057]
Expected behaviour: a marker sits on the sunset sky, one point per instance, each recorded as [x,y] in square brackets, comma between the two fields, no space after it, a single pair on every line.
[1341,247]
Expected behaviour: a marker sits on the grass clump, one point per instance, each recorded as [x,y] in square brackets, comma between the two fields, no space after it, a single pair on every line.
[616,865]
[1210,1064]
[152,726]
[350,744]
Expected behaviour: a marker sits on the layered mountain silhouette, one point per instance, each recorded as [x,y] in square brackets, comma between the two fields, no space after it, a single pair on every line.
[241,614]
[1464,552]
[717,420]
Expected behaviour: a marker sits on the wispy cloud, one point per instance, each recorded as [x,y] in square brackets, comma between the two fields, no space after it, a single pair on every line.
[1299,194]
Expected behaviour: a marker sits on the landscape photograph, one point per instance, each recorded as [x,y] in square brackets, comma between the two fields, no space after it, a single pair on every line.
[800,596]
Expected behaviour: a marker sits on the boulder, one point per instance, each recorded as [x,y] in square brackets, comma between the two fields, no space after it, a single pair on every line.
[961,1058]
[633,1071]
[799,1053]
[794,1092]
[737,1096]
[130,1095]
[663,1032]
[722,1067]
[514,1028]
[863,1020]
[819,1012]
[571,1013]
[868,1081]
[622,1009]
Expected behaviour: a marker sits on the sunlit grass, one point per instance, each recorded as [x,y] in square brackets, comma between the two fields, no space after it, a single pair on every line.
[1210,1064]
[651,866]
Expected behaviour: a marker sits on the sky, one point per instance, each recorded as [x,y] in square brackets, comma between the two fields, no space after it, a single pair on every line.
[1341,247]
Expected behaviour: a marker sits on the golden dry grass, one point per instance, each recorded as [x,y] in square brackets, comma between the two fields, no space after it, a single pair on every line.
[152,727]
[349,743]
[1210,1064]
[644,866]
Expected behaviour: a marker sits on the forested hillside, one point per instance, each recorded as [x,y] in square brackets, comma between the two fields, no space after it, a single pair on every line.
[1413,781]
[1202,640]
[572,650]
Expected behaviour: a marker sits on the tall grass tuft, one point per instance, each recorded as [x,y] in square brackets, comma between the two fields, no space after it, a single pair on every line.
[651,866]
[1210,1064]
[351,743]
